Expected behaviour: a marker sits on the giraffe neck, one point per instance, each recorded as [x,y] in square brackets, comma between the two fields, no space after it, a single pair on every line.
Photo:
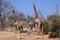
[37,18]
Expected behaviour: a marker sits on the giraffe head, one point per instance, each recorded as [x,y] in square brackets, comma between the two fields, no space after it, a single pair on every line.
[33,3]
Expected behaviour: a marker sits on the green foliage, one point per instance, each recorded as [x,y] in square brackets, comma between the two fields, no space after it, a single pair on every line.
[54,34]
[25,31]
[55,28]
[46,28]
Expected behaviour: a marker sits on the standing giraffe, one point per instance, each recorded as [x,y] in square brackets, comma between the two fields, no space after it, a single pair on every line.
[17,24]
[38,20]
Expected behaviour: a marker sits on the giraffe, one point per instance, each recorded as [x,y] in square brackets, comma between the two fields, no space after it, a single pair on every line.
[17,24]
[38,20]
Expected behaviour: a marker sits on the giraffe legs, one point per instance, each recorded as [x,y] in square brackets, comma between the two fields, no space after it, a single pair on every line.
[19,31]
[39,29]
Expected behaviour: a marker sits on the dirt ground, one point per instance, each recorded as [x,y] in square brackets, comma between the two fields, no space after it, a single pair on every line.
[12,36]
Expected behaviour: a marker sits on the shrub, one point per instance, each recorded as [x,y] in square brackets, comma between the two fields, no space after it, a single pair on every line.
[45,28]
[55,29]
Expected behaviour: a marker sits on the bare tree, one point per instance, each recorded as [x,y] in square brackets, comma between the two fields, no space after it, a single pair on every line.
[4,11]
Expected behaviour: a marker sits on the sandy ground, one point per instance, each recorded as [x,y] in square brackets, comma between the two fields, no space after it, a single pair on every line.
[12,36]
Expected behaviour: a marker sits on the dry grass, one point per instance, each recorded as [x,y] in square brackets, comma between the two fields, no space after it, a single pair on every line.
[12,36]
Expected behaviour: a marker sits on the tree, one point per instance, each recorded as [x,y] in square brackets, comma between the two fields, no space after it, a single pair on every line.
[22,17]
[55,28]
[11,21]
[29,18]
[4,11]
[54,25]
[45,27]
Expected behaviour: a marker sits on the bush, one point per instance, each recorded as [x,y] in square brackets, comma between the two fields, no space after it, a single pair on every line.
[25,31]
[45,28]
[55,29]
[53,35]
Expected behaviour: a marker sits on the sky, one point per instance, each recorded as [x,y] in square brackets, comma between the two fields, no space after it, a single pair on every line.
[45,7]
